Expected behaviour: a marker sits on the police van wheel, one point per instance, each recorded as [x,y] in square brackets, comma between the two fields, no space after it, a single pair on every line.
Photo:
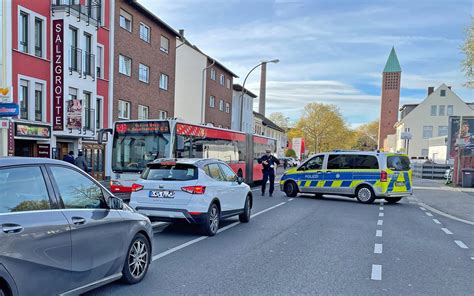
[365,195]
[291,189]
[392,200]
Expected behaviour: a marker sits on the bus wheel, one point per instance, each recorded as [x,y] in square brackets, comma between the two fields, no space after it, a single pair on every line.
[291,189]
[392,200]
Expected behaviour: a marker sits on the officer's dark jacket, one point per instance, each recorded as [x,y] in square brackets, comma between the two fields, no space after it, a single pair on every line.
[272,160]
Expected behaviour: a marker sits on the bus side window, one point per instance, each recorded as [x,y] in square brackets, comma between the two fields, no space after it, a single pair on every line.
[179,143]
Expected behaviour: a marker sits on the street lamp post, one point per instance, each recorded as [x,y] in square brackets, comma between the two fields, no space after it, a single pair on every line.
[243,90]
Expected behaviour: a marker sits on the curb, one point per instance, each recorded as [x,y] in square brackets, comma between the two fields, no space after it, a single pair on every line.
[439,212]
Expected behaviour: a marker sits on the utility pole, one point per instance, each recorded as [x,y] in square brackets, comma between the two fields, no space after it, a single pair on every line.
[263,88]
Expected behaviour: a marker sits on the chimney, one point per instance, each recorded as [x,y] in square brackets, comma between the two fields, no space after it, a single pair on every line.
[181,32]
[430,90]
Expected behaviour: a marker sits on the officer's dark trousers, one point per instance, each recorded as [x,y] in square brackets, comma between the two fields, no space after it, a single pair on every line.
[268,175]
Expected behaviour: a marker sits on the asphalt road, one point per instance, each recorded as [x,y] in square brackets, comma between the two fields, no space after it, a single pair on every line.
[328,246]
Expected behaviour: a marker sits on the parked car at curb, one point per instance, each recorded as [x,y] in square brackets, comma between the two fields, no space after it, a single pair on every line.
[360,174]
[198,191]
[64,233]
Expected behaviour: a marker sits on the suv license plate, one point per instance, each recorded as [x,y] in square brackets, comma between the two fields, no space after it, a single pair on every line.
[399,183]
[161,194]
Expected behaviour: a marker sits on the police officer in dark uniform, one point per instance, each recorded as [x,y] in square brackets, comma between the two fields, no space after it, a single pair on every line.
[269,163]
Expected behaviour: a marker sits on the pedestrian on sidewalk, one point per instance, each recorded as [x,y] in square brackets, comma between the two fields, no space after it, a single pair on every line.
[268,162]
[81,161]
[69,157]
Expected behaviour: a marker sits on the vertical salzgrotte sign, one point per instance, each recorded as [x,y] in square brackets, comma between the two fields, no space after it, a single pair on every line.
[58,75]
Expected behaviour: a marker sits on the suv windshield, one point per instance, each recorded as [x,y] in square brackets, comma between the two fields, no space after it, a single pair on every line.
[170,172]
[398,163]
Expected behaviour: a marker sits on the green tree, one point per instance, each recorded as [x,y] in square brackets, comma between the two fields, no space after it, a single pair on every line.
[366,136]
[324,128]
[279,119]
[290,153]
[468,62]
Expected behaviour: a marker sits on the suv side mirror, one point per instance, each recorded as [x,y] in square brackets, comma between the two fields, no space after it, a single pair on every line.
[240,180]
[115,203]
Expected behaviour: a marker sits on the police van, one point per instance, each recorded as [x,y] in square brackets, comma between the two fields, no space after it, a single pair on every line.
[364,175]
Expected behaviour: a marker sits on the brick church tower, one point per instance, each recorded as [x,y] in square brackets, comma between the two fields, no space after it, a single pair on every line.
[390,97]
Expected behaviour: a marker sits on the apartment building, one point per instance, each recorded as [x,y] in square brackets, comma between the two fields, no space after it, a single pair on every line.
[57,60]
[144,64]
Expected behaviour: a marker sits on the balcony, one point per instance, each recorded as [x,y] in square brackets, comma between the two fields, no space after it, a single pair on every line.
[75,60]
[89,65]
[90,13]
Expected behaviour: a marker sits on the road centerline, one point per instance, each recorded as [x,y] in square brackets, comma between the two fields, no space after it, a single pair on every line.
[376,272]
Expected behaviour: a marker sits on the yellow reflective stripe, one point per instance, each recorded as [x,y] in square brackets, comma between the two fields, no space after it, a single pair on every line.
[320,184]
[307,184]
[355,183]
[299,183]
[336,183]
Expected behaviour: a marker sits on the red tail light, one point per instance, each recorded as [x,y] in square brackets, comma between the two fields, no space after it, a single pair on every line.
[383,176]
[136,187]
[194,189]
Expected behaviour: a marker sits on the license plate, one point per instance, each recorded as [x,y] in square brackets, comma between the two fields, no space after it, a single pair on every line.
[161,194]
[399,183]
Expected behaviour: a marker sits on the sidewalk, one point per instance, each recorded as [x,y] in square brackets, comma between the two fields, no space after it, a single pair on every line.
[458,202]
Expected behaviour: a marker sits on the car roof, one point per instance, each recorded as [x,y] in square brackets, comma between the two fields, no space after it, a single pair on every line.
[16,160]
[355,152]
[193,161]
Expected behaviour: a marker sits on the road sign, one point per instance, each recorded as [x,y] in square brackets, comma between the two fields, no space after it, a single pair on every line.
[9,109]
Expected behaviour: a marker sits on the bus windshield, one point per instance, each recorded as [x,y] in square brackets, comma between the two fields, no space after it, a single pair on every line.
[135,145]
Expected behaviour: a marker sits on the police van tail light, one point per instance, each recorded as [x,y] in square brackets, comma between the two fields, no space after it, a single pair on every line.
[383,176]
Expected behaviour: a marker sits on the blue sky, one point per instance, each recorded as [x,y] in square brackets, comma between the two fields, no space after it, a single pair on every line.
[330,51]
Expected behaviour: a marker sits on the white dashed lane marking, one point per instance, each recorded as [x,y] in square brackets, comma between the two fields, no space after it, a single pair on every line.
[376,272]
[446,231]
[429,214]
[461,244]
[378,249]
[381,208]
[436,221]
[422,208]
[378,233]
[380,222]
[380,214]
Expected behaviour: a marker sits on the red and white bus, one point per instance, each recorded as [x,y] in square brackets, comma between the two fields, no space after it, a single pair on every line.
[136,143]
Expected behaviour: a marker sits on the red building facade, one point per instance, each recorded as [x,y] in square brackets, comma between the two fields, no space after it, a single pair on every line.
[60,73]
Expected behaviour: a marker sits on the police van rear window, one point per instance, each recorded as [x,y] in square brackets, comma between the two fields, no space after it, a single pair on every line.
[398,163]
[170,172]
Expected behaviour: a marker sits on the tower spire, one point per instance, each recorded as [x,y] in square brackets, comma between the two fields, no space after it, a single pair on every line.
[392,64]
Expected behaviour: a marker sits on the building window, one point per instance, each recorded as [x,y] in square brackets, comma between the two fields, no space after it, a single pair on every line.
[143,73]
[441,110]
[72,93]
[212,101]
[75,53]
[23,98]
[123,109]
[213,74]
[222,79]
[442,93]
[144,32]
[442,130]
[227,108]
[164,44]
[125,65]
[38,37]
[100,61]
[163,114]
[424,152]
[98,114]
[125,20]
[221,105]
[23,32]
[228,83]
[142,112]
[427,131]
[450,111]
[433,110]
[164,81]
[38,102]
[89,112]
[89,58]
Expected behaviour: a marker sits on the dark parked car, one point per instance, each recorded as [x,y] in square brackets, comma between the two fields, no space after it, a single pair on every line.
[61,232]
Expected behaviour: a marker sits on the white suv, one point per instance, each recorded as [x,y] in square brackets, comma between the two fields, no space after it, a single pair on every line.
[200,191]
